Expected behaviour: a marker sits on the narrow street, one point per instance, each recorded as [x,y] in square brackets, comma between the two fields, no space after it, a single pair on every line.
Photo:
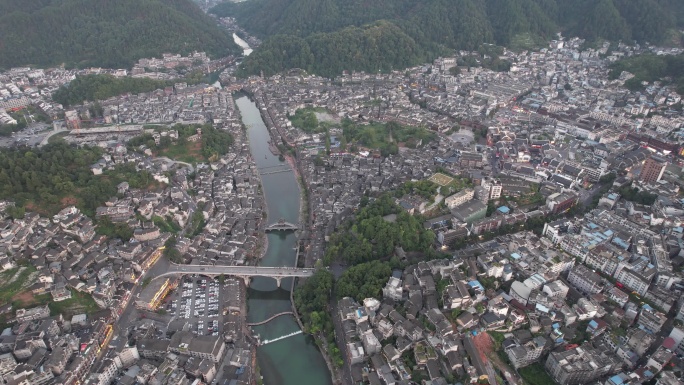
[339,340]
[510,375]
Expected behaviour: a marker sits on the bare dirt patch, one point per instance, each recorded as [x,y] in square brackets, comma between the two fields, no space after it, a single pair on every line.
[26,298]
[484,346]
[69,201]
[30,206]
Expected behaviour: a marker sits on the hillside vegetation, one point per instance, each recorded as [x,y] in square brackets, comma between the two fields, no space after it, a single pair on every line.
[100,87]
[104,33]
[214,143]
[52,177]
[303,33]
[381,46]
[649,68]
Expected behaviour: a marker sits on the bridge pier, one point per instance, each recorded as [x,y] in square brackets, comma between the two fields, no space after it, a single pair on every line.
[246,279]
[278,280]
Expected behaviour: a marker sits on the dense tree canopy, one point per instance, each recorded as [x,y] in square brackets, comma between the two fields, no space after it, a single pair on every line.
[305,119]
[370,236]
[104,33]
[384,136]
[312,299]
[9,129]
[364,280]
[429,26]
[633,194]
[99,87]
[423,188]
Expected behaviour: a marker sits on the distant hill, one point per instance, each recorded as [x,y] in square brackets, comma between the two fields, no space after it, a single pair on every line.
[104,33]
[456,24]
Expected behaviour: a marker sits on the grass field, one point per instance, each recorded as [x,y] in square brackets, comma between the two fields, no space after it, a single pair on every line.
[12,281]
[441,179]
[535,375]
[77,304]
[526,41]
[13,289]
[189,152]
[59,136]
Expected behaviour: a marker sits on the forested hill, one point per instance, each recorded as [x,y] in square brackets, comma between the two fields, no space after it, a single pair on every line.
[459,24]
[104,33]
[381,46]
[465,23]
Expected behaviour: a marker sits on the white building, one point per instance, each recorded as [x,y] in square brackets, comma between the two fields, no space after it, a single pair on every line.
[493,186]
[556,289]
[460,198]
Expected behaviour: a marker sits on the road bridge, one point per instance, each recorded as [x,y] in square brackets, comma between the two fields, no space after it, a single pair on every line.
[278,166]
[243,272]
[281,225]
[276,171]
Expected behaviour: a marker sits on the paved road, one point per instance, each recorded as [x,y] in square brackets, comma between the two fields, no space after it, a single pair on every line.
[171,161]
[587,195]
[130,314]
[339,340]
[47,138]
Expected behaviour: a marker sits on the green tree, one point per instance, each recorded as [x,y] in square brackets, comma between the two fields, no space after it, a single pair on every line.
[364,280]
[312,299]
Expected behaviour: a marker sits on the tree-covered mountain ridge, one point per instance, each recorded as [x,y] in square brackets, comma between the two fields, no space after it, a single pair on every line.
[465,23]
[108,33]
[328,36]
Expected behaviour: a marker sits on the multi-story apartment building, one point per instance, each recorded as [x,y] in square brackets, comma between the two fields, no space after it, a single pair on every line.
[556,289]
[585,280]
[580,365]
[651,320]
[493,186]
[636,274]
[459,198]
[523,355]
[653,169]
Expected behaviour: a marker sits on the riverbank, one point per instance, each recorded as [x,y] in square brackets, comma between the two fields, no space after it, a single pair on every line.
[304,222]
[304,212]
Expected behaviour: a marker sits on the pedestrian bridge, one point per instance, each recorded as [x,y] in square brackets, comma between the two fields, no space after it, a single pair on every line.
[244,272]
[269,319]
[281,225]
[266,342]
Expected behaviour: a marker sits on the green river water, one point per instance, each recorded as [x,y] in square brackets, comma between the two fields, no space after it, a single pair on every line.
[295,360]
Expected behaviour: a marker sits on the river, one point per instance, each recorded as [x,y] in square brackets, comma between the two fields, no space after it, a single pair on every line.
[246,49]
[295,360]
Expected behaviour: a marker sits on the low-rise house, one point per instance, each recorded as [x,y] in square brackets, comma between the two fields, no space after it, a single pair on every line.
[39,312]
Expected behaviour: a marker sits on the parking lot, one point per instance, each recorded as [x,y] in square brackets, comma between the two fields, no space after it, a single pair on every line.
[198,300]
